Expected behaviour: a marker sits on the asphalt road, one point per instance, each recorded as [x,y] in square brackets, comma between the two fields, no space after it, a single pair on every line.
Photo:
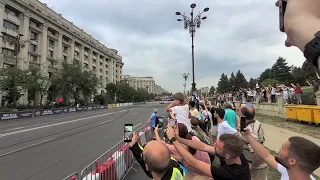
[51,148]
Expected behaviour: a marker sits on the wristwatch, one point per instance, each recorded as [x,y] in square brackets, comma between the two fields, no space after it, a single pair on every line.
[173,139]
[312,50]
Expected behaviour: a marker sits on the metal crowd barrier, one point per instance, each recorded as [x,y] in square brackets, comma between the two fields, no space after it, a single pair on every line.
[116,162]
[73,176]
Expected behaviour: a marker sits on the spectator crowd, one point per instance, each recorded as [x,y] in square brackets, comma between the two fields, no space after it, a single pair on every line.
[206,143]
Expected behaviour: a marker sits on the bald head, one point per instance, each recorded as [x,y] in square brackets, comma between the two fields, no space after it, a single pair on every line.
[157,156]
[248,111]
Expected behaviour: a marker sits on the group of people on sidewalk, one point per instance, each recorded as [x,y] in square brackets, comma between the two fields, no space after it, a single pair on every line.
[204,132]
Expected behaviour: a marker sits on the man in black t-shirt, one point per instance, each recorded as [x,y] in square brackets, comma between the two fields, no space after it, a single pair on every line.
[228,146]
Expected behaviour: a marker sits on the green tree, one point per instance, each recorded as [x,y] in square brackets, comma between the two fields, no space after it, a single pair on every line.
[223,84]
[309,71]
[281,71]
[72,82]
[12,81]
[36,83]
[240,81]
[232,80]
[124,92]
[252,83]
[111,89]
[266,74]
[298,75]
[212,90]
[272,82]
[141,94]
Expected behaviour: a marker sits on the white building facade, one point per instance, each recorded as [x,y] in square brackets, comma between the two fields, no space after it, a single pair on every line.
[50,40]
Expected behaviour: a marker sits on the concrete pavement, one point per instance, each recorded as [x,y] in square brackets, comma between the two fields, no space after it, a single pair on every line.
[53,147]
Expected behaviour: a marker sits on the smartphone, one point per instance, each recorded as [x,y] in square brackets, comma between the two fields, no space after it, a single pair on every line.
[160,122]
[243,123]
[282,10]
[173,122]
[128,129]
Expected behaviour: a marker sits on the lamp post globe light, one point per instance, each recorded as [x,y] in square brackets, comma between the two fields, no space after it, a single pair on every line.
[192,23]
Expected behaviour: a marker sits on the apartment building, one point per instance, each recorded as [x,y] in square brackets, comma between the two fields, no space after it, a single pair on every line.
[47,39]
[141,82]
[158,90]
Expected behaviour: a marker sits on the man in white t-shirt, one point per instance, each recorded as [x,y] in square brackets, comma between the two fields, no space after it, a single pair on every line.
[180,109]
[297,158]
[223,126]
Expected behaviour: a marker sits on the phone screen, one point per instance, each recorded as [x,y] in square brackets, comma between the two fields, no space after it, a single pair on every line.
[243,123]
[128,129]
[172,122]
[282,10]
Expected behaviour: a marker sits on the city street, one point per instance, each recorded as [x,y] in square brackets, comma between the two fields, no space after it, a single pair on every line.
[53,147]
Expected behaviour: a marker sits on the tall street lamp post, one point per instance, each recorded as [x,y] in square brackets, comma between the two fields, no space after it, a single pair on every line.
[192,23]
[185,77]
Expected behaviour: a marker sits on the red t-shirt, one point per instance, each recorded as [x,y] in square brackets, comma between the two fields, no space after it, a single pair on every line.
[298,89]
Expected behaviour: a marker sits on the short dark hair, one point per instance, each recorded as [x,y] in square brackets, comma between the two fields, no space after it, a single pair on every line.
[179,96]
[306,152]
[192,103]
[155,165]
[232,144]
[220,112]
[248,113]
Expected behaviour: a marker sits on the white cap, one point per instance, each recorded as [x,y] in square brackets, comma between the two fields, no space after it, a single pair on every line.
[155,110]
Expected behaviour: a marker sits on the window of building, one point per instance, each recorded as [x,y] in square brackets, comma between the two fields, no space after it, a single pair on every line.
[50,53]
[86,65]
[33,59]
[51,43]
[51,63]
[65,49]
[10,25]
[33,36]
[8,11]
[65,58]
[49,74]
[7,52]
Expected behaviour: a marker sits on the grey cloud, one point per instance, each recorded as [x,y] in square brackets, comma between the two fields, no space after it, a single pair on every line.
[237,35]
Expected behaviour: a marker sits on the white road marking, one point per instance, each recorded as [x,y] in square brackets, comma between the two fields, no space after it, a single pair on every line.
[105,122]
[136,125]
[16,150]
[56,124]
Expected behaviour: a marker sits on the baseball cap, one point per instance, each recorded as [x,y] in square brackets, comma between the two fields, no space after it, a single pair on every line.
[155,110]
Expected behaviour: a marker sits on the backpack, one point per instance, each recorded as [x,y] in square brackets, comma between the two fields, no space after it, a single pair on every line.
[258,131]
[202,136]
[259,135]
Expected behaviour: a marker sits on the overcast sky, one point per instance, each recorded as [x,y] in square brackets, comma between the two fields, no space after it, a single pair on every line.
[238,34]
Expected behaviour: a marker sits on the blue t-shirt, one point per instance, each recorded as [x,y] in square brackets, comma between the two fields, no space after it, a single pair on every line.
[231,117]
[153,120]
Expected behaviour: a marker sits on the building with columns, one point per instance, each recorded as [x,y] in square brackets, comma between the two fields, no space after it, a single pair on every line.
[141,82]
[51,39]
[158,90]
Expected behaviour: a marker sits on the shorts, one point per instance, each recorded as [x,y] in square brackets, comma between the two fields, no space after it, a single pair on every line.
[259,174]
[298,96]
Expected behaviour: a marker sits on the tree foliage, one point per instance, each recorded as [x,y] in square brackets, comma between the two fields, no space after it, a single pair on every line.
[12,81]
[73,83]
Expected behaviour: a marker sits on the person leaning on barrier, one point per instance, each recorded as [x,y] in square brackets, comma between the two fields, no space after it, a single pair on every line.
[227,146]
[155,160]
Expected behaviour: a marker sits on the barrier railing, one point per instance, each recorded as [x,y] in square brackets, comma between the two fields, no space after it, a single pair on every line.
[62,110]
[73,176]
[117,161]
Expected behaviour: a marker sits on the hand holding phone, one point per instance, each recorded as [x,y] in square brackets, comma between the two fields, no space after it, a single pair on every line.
[243,123]
[128,129]
[282,10]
